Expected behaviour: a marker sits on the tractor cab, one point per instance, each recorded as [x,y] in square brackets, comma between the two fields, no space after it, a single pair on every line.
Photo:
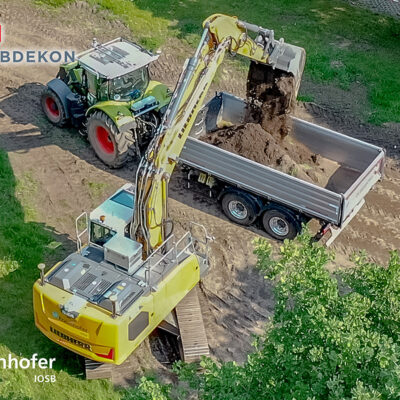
[117,70]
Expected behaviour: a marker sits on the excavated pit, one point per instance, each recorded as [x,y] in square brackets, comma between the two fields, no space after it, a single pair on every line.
[265,136]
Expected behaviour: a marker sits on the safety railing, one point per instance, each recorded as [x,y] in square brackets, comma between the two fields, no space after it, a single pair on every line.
[80,231]
[172,252]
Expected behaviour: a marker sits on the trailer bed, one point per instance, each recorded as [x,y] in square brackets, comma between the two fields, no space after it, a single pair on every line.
[360,165]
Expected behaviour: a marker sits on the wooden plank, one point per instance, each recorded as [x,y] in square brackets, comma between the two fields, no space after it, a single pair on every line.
[97,370]
[191,327]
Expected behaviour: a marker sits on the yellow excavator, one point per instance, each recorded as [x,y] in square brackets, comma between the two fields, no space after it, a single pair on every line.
[104,300]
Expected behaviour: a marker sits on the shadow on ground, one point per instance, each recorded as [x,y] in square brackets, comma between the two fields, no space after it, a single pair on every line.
[22,106]
[24,244]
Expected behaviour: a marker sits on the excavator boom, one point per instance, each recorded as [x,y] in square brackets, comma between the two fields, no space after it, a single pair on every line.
[221,34]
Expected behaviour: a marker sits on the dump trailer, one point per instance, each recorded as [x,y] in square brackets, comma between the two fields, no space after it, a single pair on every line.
[253,193]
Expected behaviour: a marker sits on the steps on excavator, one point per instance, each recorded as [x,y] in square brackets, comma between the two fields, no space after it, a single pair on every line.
[191,326]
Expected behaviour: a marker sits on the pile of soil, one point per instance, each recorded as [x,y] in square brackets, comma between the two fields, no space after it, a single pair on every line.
[287,155]
[264,138]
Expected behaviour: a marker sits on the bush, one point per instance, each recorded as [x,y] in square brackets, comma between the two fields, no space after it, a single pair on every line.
[331,337]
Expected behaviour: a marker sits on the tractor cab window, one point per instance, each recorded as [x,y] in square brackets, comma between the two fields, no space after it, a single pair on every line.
[130,86]
[102,90]
[100,234]
[91,83]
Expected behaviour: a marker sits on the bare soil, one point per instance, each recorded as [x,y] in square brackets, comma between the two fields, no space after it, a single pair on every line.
[235,299]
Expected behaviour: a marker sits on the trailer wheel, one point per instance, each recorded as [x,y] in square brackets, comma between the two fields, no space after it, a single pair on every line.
[280,225]
[110,145]
[53,108]
[239,209]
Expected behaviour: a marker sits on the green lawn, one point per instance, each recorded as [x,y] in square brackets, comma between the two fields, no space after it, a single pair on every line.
[344,44]
[23,244]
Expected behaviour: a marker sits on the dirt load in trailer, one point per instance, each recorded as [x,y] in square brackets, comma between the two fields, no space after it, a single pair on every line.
[279,183]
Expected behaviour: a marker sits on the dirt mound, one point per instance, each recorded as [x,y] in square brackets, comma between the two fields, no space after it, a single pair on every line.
[287,155]
[265,137]
[270,95]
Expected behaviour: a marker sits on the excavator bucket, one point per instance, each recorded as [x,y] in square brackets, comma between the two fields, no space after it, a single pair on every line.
[276,53]
[291,59]
[258,44]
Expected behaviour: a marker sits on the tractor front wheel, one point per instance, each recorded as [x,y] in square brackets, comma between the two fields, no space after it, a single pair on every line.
[53,108]
[110,145]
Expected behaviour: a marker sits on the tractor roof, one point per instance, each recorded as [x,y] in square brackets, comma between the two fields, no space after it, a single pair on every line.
[115,58]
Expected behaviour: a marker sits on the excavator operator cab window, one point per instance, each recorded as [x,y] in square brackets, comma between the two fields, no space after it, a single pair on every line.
[100,234]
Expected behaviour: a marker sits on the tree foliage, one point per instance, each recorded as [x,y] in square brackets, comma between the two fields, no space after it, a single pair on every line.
[332,336]
[148,389]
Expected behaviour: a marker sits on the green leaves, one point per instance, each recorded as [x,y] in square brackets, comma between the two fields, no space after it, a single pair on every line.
[332,337]
[148,389]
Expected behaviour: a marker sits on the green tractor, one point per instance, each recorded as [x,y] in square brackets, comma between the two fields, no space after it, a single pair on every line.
[107,93]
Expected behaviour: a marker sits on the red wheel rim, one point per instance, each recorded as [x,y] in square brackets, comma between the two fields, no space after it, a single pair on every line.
[103,137]
[52,107]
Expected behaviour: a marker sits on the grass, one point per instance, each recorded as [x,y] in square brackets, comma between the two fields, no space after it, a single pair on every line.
[25,191]
[23,244]
[97,189]
[344,44]
[305,98]
[53,3]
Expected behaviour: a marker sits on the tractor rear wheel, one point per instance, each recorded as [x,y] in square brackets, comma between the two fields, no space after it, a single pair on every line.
[110,145]
[53,108]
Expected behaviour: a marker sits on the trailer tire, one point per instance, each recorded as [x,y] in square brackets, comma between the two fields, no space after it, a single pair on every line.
[280,225]
[53,108]
[239,209]
[110,145]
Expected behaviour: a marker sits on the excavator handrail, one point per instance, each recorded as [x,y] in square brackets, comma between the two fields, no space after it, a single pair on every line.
[173,256]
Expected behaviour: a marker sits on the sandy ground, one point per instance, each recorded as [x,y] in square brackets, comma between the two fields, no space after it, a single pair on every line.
[235,299]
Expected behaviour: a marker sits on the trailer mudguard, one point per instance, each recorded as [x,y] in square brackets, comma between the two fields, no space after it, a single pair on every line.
[62,90]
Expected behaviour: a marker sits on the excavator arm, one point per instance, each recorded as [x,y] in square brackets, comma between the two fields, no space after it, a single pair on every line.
[221,34]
